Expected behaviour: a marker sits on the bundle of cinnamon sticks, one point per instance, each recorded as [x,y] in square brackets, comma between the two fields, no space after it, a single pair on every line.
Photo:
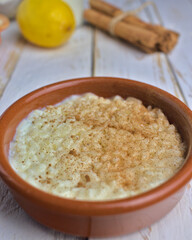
[147,37]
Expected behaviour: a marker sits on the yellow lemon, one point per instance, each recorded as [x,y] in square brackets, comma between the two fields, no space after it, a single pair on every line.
[47,23]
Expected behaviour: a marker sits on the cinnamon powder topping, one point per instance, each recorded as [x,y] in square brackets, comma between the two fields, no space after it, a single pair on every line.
[93,148]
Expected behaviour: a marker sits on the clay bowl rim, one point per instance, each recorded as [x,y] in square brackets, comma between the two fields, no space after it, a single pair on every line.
[80,207]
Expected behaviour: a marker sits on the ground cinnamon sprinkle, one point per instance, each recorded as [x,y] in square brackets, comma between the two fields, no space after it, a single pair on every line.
[96,149]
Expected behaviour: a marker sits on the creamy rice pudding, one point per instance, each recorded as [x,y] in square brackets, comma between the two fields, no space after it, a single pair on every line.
[92,148]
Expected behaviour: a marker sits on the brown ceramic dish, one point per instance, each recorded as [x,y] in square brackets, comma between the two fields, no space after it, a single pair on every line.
[104,218]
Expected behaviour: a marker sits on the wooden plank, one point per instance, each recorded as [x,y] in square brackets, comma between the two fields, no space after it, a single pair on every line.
[40,66]
[37,67]
[114,57]
[177,15]
[10,51]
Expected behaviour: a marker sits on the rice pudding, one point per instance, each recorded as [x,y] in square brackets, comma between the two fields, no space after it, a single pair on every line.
[92,148]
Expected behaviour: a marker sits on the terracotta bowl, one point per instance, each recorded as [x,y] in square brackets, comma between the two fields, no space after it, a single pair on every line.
[103,218]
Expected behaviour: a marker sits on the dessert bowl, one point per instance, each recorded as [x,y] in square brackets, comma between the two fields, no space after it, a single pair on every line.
[97,218]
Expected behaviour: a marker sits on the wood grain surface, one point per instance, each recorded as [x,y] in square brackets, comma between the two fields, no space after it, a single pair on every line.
[90,52]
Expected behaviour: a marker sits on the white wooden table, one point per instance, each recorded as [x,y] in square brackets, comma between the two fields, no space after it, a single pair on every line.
[90,52]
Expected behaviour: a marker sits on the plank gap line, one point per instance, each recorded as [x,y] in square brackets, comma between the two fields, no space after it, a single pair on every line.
[93,43]
[11,63]
[176,81]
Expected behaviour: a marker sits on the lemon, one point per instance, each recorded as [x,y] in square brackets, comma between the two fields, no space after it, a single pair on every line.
[47,23]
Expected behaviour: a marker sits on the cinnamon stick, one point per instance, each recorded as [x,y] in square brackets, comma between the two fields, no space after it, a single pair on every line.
[142,38]
[165,40]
